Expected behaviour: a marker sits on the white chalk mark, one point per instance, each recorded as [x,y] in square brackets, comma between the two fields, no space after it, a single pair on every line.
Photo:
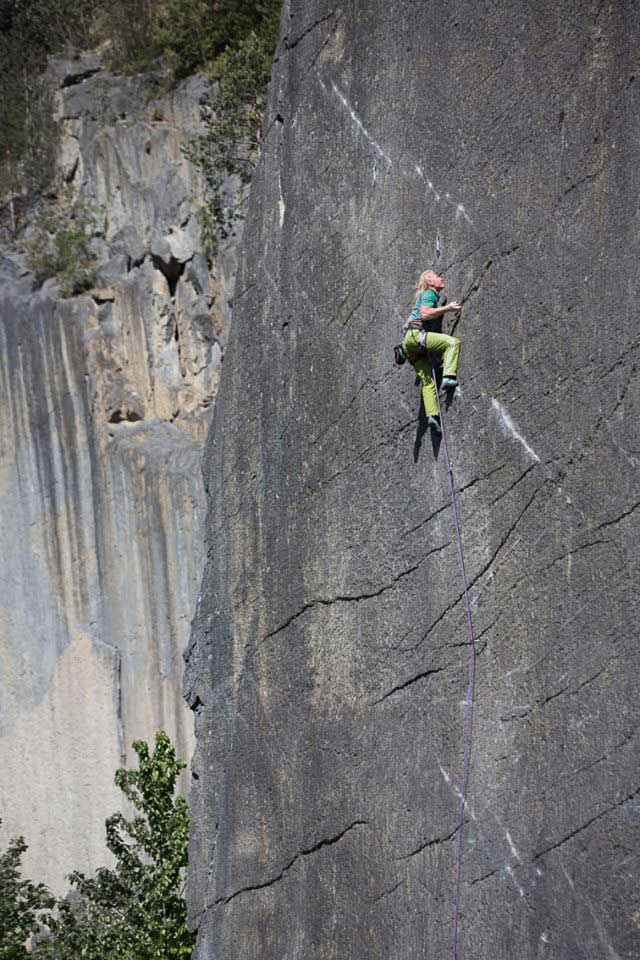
[512,847]
[461,212]
[459,207]
[544,937]
[281,204]
[525,668]
[511,428]
[447,780]
[514,881]
[358,122]
[502,561]
[600,930]
[429,184]
[269,277]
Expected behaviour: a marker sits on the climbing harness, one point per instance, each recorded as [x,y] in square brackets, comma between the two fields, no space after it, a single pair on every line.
[412,325]
[399,354]
[472,654]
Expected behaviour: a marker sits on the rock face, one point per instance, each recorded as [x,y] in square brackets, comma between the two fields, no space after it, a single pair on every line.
[328,662]
[105,402]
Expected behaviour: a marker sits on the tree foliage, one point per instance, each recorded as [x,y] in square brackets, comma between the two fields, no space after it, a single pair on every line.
[132,911]
[226,153]
[24,906]
[30,30]
[135,911]
[60,246]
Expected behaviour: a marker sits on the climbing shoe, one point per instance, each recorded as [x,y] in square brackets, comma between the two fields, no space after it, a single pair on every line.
[434,423]
[449,383]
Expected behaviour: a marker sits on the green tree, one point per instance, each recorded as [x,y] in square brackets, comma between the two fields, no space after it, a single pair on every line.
[191,34]
[29,31]
[230,144]
[24,906]
[130,28]
[135,911]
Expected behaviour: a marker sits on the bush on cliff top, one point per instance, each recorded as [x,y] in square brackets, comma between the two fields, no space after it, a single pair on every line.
[187,34]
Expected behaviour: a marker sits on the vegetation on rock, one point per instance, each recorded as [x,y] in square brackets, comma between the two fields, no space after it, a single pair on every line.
[30,30]
[230,145]
[186,35]
[133,911]
[60,246]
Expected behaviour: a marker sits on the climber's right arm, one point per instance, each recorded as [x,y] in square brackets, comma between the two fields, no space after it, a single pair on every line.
[429,313]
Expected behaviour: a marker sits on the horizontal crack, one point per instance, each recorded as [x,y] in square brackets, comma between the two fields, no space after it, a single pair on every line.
[611,523]
[387,893]
[580,829]
[485,876]
[556,693]
[330,841]
[408,683]
[432,842]
[352,598]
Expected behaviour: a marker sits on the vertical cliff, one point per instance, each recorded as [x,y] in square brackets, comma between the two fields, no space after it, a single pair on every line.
[105,400]
[328,662]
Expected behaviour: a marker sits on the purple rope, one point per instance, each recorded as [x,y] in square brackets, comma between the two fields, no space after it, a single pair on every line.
[467,734]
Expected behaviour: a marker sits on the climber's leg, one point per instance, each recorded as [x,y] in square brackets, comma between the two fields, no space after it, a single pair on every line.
[410,345]
[449,347]
[422,366]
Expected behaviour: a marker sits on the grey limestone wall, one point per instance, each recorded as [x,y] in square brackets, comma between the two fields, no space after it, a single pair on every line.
[105,400]
[328,662]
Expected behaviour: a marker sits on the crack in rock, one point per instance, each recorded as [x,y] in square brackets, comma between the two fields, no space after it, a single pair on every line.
[353,598]
[328,842]
[584,826]
[290,44]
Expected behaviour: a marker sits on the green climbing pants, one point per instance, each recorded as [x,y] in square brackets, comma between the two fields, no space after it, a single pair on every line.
[421,363]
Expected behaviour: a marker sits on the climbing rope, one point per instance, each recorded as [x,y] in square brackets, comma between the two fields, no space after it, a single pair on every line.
[467,734]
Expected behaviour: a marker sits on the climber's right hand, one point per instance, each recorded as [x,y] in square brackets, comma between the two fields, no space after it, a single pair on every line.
[454,305]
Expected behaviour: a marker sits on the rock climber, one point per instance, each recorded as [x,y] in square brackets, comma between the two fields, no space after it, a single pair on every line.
[418,340]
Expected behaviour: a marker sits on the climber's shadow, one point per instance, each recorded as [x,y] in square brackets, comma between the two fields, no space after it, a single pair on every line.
[420,431]
[422,428]
[436,440]
[448,397]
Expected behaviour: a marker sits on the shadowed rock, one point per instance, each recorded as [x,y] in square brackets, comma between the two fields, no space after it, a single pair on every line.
[328,660]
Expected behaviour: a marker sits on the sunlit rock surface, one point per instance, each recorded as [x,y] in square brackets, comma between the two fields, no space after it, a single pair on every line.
[105,400]
[328,663]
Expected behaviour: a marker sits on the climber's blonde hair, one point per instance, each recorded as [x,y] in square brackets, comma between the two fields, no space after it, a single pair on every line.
[425,280]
